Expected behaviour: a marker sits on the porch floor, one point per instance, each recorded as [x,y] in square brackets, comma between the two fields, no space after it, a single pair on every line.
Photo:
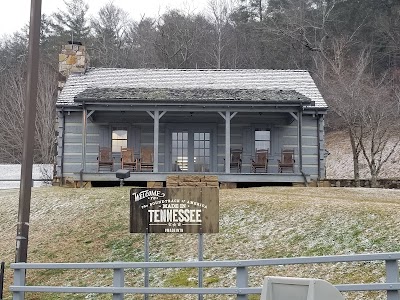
[222,177]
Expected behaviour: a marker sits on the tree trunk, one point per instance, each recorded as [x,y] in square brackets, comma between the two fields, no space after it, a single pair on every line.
[374,174]
[374,181]
[356,164]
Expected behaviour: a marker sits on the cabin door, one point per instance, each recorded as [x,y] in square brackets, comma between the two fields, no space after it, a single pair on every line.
[190,150]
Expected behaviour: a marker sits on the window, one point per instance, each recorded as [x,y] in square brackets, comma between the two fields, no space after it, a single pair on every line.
[202,151]
[180,150]
[119,138]
[191,150]
[262,139]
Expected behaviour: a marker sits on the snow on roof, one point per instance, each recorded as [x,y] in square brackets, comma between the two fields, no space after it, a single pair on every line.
[296,80]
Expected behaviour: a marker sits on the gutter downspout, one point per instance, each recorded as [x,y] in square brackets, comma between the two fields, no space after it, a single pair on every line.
[62,146]
[319,145]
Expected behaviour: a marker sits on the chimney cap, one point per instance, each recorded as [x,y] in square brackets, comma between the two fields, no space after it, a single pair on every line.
[74,43]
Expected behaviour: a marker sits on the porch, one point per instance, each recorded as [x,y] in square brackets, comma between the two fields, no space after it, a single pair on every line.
[202,146]
[196,141]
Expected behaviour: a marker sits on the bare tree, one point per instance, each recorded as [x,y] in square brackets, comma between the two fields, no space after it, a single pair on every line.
[45,121]
[11,114]
[110,37]
[343,80]
[366,107]
[381,121]
[12,98]
[220,11]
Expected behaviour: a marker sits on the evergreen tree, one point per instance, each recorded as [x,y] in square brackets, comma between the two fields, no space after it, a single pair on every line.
[72,23]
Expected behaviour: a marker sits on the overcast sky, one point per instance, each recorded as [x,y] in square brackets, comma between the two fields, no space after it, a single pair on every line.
[14,14]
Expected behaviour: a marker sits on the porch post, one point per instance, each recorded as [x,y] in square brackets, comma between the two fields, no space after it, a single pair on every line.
[156,139]
[319,146]
[84,133]
[299,139]
[227,141]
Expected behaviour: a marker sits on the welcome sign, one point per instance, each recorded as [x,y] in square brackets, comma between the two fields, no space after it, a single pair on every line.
[174,210]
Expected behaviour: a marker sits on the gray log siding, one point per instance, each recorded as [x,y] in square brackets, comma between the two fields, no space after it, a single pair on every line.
[147,139]
[60,124]
[73,145]
[322,149]
[283,135]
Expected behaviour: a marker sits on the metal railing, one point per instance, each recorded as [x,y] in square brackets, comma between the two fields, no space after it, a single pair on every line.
[242,289]
[18,180]
[34,179]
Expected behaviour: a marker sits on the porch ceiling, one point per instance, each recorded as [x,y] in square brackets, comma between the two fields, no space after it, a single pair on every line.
[193,116]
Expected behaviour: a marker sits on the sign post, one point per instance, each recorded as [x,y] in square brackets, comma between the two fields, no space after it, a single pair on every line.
[200,253]
[24,207]
[174,210]
[146,259]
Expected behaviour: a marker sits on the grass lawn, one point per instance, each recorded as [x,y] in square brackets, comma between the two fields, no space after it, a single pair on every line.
[88,225]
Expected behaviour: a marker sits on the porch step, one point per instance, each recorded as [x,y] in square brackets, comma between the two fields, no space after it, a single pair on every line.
[228,185]
[155,184]
[192,180]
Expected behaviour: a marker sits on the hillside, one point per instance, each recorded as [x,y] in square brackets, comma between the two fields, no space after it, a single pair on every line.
[87,225]
[339,162]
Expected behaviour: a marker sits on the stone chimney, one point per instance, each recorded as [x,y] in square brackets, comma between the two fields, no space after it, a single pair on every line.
[72,59]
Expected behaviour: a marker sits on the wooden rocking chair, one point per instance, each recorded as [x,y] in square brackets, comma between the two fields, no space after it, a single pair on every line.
[287,160]
[236,159]
[146,159]
[128,162]
[105,159]
[261,161]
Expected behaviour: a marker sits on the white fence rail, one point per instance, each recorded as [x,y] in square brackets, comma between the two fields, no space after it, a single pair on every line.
[10,175]
[242,289]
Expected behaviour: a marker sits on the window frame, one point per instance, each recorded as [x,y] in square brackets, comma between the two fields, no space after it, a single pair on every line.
[269,141]
[210,128]
[119,128]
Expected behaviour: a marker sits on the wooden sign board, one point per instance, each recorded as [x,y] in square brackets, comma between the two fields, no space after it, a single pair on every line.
[174,210]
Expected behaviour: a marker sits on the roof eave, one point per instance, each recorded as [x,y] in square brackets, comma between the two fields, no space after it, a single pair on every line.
[204,102]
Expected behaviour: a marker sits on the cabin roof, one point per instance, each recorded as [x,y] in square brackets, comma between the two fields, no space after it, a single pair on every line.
[100,84]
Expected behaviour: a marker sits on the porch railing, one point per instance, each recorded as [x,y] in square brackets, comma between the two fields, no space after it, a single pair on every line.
[241,290]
